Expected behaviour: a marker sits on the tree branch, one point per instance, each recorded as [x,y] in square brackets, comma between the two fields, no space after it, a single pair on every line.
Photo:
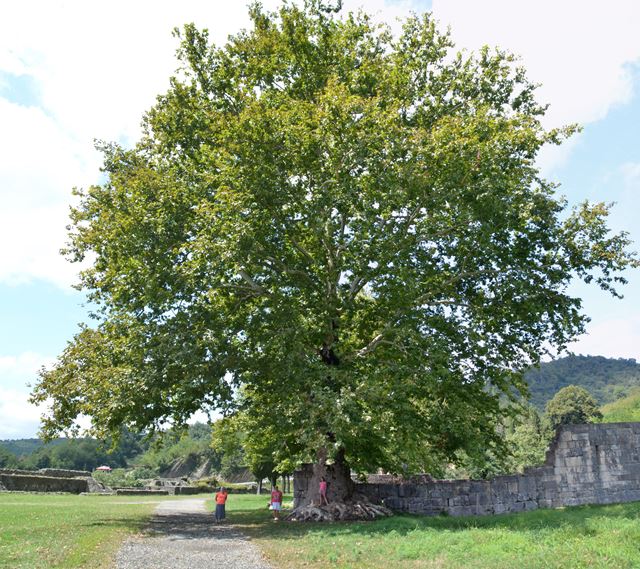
[253,285]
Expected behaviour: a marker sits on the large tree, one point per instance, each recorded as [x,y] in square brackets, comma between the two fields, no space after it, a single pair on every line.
[572,404]
[341,232]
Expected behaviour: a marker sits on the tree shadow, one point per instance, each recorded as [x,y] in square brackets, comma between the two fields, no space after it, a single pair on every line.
[175,526]
[197,525]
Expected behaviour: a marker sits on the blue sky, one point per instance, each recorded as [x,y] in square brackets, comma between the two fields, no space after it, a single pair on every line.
[80,71]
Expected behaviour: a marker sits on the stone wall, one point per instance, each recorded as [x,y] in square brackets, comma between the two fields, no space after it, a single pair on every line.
[188,490]
[49,480]
[141,492]
[35,483]
[61,473]
[54,472]
[585,464]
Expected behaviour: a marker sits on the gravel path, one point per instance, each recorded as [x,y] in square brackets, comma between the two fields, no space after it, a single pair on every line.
[184,536]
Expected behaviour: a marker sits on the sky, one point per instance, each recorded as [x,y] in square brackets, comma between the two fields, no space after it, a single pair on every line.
[75,71]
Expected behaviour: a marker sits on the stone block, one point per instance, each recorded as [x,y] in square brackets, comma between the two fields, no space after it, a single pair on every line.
[395,504]
[574,461]
[584,436]
[388,490]
[436,503]
[499,508]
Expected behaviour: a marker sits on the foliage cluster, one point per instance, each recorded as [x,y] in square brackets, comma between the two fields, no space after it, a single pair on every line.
[571,405]
[73,454]
[528,434]
[191,445]
[125,477]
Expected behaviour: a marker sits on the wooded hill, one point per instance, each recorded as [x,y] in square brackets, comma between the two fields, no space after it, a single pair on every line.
[607,379]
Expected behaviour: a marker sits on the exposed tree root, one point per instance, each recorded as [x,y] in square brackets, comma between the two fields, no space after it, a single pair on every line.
[348,511]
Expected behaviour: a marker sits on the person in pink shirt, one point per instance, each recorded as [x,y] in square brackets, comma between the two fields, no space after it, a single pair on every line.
[276,503]
[323,492]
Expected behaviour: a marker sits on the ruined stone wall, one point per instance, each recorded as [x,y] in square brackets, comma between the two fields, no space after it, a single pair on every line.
[35,483]
[62,473]
[188,490]
[49,480]
[585,464]
[55,472]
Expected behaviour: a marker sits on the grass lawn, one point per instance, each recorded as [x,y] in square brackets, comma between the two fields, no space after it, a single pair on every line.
[623,410]
[65,531]
[586,536]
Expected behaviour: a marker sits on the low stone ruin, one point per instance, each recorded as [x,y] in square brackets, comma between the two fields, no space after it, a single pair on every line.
[585,464]
[49,480]
[166,487]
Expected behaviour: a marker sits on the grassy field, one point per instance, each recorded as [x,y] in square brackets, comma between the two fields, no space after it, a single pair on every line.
[590,536]
[623,410]
[40,531]
[65,531]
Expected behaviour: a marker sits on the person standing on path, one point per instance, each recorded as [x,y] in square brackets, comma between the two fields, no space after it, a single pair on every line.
[276,503]
[221,500]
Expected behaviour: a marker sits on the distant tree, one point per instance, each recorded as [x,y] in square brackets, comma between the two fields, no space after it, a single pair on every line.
[227,440]
[528,440]
[571,405]
[39,459]
[200,432]
[7,459]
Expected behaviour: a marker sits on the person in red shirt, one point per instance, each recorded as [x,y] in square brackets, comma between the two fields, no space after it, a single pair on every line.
[221,500]
[276,503]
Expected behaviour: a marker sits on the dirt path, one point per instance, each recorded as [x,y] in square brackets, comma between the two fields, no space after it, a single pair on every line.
[184,536]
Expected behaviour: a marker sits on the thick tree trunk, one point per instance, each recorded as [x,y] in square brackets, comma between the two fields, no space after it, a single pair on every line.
[343,503]
[259,488]
[340,487]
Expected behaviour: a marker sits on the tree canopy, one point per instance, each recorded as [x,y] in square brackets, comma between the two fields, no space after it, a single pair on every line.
[341,233]
[573,404]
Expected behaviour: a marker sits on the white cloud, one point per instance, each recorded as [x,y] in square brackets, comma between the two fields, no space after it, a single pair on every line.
[40,164]
[612,338]
[580,50]
[18,417]
[631,175]
[22,368]
[97,68]
[96,72]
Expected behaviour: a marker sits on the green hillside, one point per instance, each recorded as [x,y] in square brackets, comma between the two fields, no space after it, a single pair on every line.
[26,447]
[624,410]
[607,379]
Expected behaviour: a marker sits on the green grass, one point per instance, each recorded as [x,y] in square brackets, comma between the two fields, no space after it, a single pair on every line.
[588,536]
[65,531]
[40,531]
[626,409]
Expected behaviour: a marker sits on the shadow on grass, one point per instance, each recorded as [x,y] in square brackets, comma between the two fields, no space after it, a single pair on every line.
[175,525]
[578,518]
